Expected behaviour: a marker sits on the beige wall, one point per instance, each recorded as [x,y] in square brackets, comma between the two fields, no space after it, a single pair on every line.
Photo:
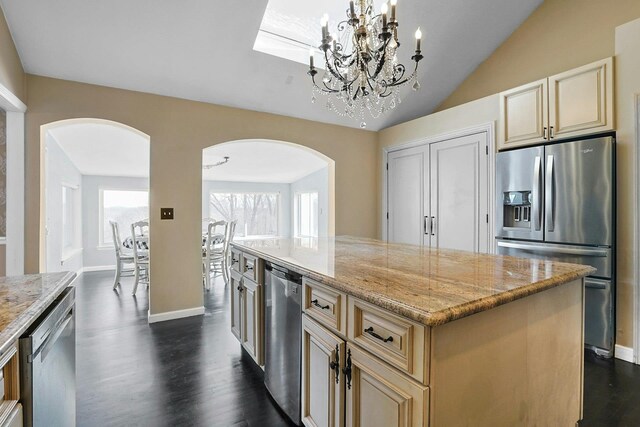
[627,88]
[558,36]
[179,130]
[11,72]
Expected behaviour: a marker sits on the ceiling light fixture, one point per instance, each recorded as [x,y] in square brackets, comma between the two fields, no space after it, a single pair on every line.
[361,67]
[213,165]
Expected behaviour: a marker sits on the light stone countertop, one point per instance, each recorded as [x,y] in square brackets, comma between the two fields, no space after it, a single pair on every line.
[430,286]
[24,298]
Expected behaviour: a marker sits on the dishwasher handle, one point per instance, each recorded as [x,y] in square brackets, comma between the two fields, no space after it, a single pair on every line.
[53,337]
[283,273]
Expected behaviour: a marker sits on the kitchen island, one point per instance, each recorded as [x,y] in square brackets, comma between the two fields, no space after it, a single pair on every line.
[399,335]
[23,300]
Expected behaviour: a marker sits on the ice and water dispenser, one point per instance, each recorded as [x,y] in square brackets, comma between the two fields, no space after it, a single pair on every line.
[517,209]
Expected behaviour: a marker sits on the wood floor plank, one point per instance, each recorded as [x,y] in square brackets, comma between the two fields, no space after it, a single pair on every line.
[186,372]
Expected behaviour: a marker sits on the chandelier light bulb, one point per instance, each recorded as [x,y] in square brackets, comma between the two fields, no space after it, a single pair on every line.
[384,8]
[418,34]
[324,20]
[394,2]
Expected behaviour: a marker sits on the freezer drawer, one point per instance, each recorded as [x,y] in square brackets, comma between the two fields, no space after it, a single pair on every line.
[599,317]
[600,258]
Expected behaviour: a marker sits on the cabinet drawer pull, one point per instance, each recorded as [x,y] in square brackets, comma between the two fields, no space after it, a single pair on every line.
[335,365]
[323,307]
[369,330]
[248,268]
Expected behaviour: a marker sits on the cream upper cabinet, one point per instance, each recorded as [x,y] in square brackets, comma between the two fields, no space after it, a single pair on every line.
[322,379]
[524,115]
[581,100]
[574,103]
[380,396]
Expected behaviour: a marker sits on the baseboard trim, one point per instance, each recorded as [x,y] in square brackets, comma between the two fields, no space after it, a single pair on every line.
[178,314]
[97,268]
[624,353]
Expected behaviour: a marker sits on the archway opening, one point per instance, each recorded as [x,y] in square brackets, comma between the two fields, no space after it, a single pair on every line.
[93,172]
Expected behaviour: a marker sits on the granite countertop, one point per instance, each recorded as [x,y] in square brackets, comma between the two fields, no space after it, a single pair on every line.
[431,286]
[23,299]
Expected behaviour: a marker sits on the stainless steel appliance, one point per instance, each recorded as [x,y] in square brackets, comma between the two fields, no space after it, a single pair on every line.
[558,202]
[48,366]
[283,338]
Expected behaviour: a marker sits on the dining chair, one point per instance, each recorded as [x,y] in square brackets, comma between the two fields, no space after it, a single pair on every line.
[125,265]
[228,238]
[213,251]
[140,230]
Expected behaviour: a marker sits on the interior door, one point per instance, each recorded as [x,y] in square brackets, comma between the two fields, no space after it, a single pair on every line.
[459,194]
[407,201]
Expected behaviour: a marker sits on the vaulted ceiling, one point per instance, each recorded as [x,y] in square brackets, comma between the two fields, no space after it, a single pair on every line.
[203,50]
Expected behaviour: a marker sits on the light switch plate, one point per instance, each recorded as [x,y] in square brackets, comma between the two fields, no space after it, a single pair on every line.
[166,213]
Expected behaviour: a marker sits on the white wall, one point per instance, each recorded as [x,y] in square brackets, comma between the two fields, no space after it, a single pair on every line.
[94,256]
[316,181]
[284,220]
[61,171]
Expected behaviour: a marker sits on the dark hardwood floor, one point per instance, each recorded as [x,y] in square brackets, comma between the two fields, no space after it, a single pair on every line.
[187,372]
[191,372]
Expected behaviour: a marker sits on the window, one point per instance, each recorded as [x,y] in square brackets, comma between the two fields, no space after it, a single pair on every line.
[124,207]
[256,213]
[306,215]
[69,218]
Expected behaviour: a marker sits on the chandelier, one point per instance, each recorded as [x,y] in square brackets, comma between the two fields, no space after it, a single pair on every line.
[362,72]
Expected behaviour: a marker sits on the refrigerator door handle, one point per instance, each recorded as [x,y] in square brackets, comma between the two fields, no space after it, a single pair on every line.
[595,252]
[537,194]
[549,194]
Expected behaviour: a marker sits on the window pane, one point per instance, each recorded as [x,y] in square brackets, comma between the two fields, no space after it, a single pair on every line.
[124,207]
[68,217]
[306,221]
[256,213]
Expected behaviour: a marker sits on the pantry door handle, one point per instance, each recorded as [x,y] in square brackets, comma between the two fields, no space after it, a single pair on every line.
[432,226]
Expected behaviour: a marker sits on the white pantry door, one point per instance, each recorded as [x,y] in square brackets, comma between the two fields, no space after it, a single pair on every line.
[460,193]
[408,182]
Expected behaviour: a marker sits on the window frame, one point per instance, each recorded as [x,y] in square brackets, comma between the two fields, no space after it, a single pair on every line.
[101,243]
[251,236]
[297,214]
[76,218]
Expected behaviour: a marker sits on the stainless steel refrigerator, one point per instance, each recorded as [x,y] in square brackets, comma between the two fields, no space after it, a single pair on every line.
[558,202]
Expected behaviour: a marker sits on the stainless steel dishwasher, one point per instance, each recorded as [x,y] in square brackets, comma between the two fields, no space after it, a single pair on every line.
[48,366]
[283,338]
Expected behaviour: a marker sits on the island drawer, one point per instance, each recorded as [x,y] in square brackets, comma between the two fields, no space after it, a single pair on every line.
[325,305]
[252,268]
[234,262]
[398,341]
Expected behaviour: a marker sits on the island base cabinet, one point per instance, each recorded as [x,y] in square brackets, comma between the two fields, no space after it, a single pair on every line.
[519,364]
[252,325]
[380,396]
[236,304]
[322,377]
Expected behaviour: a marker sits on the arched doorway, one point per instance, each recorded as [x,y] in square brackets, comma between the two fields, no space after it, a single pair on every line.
[91,171]
[272,188]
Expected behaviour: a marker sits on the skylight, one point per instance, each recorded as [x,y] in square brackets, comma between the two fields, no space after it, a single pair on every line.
[290,28]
